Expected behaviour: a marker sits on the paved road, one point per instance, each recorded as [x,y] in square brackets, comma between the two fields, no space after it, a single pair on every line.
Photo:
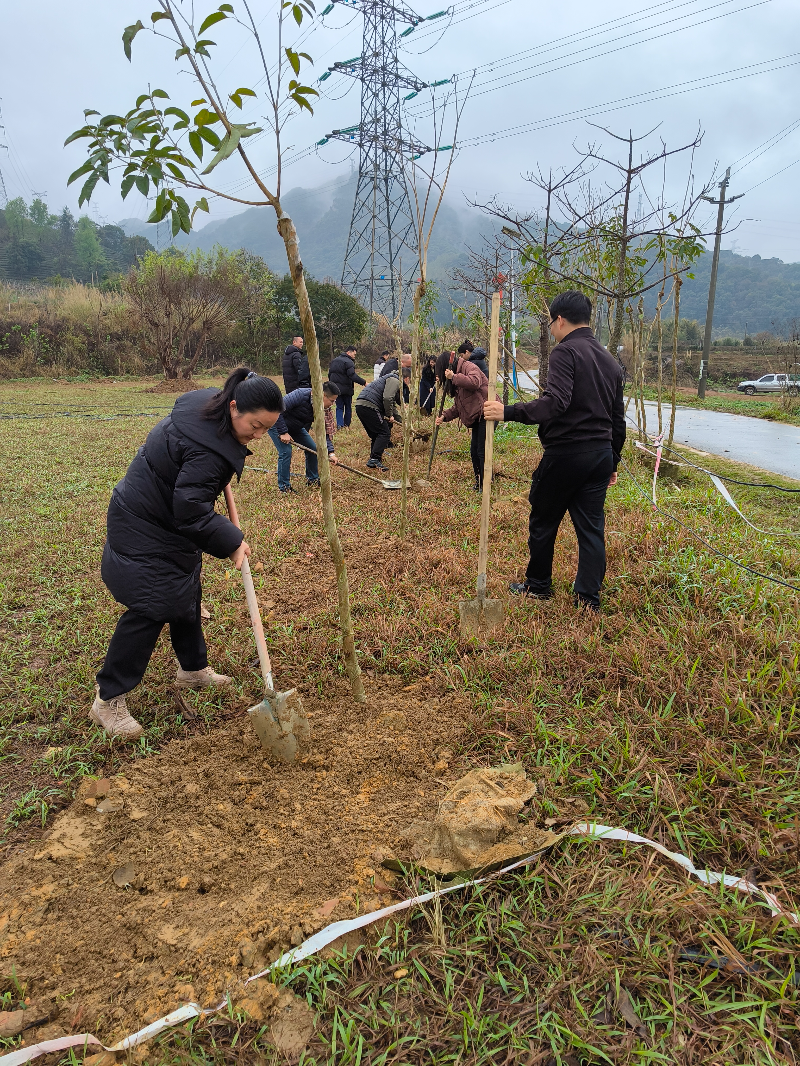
[770,446]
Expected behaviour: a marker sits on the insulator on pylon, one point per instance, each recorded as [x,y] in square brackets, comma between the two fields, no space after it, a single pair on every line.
[410,96]
[444,148]
[428,18]
[410,29]
[327,74]
[347,62]
[444,81]
[323,141]
[328,9]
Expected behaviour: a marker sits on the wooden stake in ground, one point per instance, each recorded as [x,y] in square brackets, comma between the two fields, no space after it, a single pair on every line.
[480,615]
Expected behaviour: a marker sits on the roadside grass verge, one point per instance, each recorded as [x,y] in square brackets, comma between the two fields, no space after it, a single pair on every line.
[773,408]
[673,715]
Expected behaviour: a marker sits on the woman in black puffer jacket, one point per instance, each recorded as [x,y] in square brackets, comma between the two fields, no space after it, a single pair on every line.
[160,520]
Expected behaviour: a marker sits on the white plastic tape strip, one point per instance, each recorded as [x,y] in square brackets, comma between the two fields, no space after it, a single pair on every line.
[722,490]
[592,830]
[708,877]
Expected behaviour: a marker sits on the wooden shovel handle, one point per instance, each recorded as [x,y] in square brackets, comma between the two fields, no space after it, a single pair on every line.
[252,602]
[486,501]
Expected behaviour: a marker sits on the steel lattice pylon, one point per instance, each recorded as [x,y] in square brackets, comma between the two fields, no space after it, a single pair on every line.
[381,255]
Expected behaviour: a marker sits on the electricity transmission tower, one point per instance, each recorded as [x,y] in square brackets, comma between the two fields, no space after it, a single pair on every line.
[381,255]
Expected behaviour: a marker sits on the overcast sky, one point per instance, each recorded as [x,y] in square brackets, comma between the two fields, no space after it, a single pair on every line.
[732,67]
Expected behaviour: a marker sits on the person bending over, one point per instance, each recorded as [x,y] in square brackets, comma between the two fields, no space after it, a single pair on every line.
[427,386]
[161,519]
[377,409]
[294,425]
[469,388]
[342,372]
[581,418]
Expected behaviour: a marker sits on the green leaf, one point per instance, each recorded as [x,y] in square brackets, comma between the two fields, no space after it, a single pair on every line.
[201,205]
[196,143]
[179,112]
[182,52]
[216,16]
[294,60]
[161,207]
[226,7]
[176,173]
[209,136]
[128,34]
[126,185]
[76,136]
[197,103]
[88,188]
[87,166]
[245,92]
[157,16]
[143,184]
[160,94]
[206,117]
[229,145]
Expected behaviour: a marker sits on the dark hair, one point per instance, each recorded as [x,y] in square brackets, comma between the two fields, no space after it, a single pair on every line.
[330,388]
[443,363]
[467,346]
[251,393]
[351,348]
[384,354]
[572,305]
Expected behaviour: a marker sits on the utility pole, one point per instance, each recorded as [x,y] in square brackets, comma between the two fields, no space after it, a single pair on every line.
[712,285]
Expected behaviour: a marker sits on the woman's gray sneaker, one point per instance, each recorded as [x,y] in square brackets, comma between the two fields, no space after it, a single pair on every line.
[112,716]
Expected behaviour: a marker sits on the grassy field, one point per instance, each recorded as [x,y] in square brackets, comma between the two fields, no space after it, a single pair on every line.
[673,715]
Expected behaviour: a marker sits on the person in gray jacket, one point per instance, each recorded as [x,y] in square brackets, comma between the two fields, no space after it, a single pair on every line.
[378,409]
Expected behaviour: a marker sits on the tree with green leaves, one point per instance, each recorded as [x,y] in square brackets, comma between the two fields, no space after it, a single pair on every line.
[88,251]
[161,147]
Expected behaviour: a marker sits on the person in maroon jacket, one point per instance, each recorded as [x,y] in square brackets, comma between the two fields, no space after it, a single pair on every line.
[469,388]
[581,418]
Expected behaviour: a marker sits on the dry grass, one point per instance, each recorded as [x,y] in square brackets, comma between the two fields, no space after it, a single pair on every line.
[673,715]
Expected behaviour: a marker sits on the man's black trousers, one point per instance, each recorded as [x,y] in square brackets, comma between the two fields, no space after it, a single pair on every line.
[577,484]
[378,430]
[133,643]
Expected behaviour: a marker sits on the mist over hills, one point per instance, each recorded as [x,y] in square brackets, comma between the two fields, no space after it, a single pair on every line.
[761,294]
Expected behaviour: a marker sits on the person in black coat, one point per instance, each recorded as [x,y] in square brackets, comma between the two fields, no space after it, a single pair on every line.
[478,357]
[296,373]
[161,519]
[342,373]
[427,386]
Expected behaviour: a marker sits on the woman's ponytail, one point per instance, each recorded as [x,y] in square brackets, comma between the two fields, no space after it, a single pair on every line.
[251,393]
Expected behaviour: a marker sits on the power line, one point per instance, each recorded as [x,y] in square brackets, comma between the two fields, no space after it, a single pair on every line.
[777,172]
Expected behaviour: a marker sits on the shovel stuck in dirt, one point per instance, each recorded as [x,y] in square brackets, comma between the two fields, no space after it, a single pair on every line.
[279,720]
[480,615]
[352,469]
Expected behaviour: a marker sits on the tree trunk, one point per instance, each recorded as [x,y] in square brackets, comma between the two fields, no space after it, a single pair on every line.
[289,235]
[677,298]
[419,292]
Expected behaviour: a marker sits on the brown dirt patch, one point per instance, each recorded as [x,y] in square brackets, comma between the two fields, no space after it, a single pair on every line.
[230,858]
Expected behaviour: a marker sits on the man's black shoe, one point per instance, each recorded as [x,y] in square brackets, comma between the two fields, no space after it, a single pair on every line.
[314,483]
[289,488]
[519,588]
[375,464]
[586,605]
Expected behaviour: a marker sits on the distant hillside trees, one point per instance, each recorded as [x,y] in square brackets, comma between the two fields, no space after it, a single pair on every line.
[36,245]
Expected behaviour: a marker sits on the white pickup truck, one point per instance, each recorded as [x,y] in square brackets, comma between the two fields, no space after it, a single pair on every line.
[771,383]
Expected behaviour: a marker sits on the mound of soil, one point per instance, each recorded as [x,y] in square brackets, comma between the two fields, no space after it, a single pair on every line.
[175,385]
[204,863]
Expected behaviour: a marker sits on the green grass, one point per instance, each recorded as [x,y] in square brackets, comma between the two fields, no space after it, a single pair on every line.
[673,715]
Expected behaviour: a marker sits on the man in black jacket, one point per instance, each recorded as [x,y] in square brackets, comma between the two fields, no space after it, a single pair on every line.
[294,425]
[296,374]
[581,417]
[342,373]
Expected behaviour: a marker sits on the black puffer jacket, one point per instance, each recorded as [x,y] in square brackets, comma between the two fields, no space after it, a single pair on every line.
[342,372]
[478,357]
[391,366]
[161,516]
[296,374]
[298,413]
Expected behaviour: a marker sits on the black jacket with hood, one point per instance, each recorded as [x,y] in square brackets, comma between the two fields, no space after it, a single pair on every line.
[583,407]
[298,413]
[296,374]
[161,516]
[342,372]
[478,357]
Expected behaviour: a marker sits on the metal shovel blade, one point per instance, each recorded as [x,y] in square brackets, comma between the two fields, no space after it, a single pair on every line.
[478,617]
[392,484]
[281,723]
